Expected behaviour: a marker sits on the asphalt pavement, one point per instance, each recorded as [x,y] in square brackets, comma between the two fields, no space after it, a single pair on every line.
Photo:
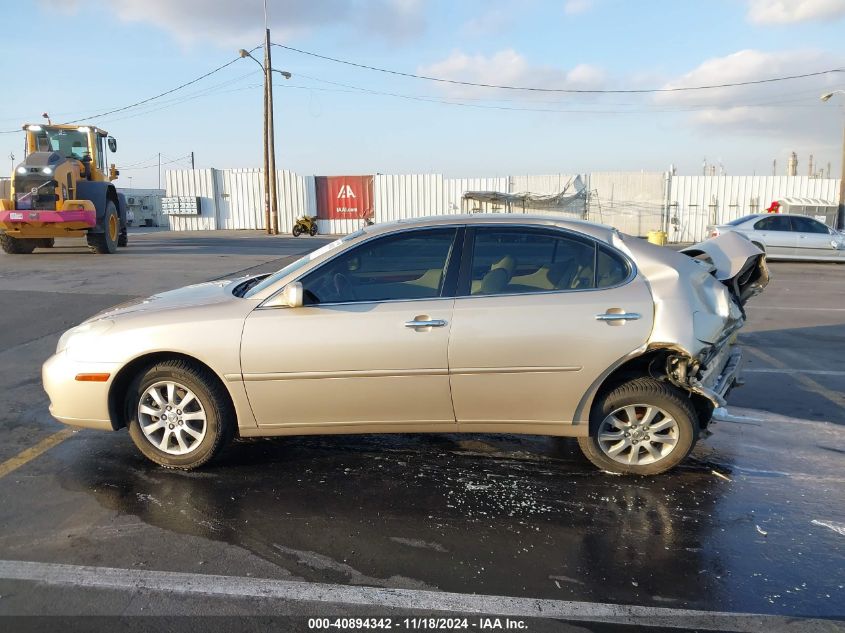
[411,526]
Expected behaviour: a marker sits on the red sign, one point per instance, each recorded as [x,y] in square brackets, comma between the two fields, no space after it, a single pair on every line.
[344,197]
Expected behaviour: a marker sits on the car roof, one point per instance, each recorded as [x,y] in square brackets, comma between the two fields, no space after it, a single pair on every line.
[599,231]
[755,216]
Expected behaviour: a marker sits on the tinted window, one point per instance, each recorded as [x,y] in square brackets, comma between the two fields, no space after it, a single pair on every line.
[611,269]
[410,265]
[741,220]
[507,261]
[773,223]
[808,225]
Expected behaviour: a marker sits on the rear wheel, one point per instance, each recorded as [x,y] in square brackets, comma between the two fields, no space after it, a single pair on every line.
[179,415]
[16,246]
[105,243]
[643,427]
[123,238]
[313,230]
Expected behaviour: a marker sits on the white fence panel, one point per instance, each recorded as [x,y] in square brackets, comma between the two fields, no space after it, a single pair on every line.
[456,188]
[398,197]
[241,200]
[544,185]
[633,202]
[297,196]
[198,183]
[696,201]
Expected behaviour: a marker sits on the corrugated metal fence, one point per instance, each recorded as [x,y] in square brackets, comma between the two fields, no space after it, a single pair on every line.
[696,201]
[634,202]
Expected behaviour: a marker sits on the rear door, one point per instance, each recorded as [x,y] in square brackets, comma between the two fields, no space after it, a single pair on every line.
[540,314]
[814,239]
[775,233]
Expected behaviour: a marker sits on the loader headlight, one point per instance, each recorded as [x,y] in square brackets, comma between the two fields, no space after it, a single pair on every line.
[21,170]
[47,171]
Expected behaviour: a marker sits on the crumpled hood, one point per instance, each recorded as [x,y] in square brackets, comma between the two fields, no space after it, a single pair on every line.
[208,293]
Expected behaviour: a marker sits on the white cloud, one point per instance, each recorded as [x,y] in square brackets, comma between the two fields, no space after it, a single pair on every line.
[790,11]
[241,22]
[508,67]
[491,22]
[787,109]
[576,7]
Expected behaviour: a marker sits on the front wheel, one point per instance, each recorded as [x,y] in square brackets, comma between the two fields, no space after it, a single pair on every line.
[179,415]
[297,230]
[105,243]
[642,427]
[16,246]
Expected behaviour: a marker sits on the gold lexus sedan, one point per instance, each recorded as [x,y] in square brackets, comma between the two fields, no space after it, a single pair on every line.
[469,324]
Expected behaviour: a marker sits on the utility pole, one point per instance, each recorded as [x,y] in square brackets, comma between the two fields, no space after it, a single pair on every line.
[12,158]
[159,170]
[192,161]
[840,213]
[271,137]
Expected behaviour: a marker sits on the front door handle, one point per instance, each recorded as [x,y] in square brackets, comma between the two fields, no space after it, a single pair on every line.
[425,323]
[612,317]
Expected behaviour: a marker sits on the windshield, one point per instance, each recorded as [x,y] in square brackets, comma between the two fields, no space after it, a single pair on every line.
[299,263]
[68,143]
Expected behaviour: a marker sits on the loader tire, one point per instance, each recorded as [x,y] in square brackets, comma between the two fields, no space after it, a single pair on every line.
[16,246]
[45,242]
[123,239]
[105,243]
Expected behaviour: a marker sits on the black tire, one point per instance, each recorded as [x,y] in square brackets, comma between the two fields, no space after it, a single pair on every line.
[313,230]
[46,242]
[123,239]
[297,230]
[16,246]
[211,395]
[105,243]
[646,392]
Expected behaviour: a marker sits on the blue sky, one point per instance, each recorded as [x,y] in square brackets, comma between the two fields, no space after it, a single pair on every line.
[81,57]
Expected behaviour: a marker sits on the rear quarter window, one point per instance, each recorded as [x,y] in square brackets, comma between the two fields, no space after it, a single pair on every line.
[611,268]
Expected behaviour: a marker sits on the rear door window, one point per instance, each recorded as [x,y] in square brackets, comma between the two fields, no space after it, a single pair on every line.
[773,223]
[522,260]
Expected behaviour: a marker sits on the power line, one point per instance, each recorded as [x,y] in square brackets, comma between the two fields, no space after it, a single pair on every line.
[564,90]
[148,99]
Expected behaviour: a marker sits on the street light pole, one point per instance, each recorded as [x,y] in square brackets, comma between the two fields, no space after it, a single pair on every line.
[271,136]
[840,212]
[271,209]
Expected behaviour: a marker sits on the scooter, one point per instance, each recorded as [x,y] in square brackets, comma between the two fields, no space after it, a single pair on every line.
[305,224]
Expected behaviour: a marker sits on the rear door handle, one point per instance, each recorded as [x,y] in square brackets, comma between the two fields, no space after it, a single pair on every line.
[618,316]
[426,323]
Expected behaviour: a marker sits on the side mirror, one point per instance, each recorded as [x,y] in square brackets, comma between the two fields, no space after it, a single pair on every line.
[112,141]
[291,296]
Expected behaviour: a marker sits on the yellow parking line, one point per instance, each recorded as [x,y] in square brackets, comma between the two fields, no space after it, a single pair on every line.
[32,452]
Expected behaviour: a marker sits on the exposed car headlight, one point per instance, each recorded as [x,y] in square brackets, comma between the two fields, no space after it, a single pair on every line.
[47,171]
[21,170]
[76,335]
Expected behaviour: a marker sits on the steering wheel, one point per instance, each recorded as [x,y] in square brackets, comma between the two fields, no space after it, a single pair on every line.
[343,286]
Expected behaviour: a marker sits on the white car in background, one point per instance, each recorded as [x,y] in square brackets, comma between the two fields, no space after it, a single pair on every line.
[787,236]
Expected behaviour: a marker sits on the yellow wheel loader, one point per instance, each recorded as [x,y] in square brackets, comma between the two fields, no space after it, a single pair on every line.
[62,189]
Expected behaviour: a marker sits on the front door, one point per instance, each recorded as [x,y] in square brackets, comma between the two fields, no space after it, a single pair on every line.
[541,315]
[368,351]
[814,239]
